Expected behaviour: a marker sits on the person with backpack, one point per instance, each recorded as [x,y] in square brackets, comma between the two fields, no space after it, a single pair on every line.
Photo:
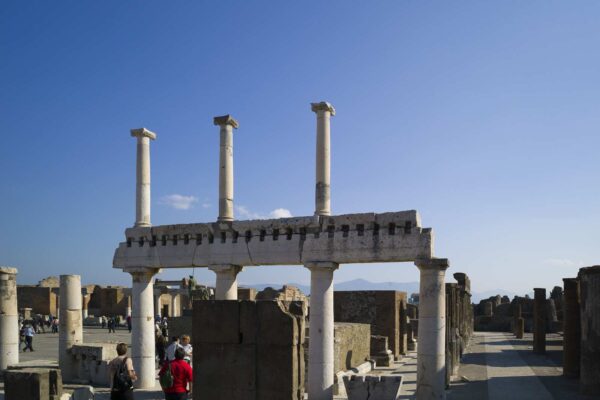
[121,375]
[175,377]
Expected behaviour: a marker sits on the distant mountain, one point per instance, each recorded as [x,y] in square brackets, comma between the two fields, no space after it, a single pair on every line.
[356,284]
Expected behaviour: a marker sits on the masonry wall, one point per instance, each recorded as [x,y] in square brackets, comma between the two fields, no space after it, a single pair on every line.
[384,310]
[248,350]
[40,299]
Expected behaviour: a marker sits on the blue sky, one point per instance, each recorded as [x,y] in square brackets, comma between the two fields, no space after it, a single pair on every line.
[484,116]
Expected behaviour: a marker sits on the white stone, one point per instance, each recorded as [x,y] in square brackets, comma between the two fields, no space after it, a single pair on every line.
[70,330]
[226,123]
[9,318]
[321,330]
[142,319]
[142,209]
[324,112]
[431,352]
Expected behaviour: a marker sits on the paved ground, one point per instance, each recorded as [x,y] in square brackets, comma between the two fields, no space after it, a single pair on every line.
[496,367]
[499,367]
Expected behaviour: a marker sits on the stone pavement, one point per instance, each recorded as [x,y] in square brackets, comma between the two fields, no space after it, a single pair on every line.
[499,367]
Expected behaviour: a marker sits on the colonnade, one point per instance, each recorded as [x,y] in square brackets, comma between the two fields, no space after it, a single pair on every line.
[431,350]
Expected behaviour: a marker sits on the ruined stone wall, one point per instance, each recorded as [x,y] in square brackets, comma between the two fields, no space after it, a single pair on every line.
[352,345]
[384,310]
[42,300]
[248,350]
[108,301]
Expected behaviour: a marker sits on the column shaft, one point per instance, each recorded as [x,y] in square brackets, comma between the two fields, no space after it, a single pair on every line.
[539,321]
[572,328]
[320,347]
[324,112]
[142,320]
[142,204]
[9,318]
[226,124]
[431,352]
[70,330]
[589,291]
[226,287]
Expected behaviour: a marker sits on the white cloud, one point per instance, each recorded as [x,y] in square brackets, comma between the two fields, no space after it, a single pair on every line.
[244,213]
[178,201]
[206,204]
[280,213]
[562,262]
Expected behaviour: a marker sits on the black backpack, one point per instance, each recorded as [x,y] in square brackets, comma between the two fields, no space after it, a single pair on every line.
[121,381]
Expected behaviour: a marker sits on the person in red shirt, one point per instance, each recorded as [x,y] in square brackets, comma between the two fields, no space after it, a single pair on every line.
[182,376]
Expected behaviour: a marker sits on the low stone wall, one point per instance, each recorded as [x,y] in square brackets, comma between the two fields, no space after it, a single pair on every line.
[352,345]
[33,384]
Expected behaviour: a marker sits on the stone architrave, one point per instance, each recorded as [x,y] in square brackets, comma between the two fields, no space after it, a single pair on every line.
[539,321]
[70,330]
[431,352]
[9,318]
[589,291]
[324,112]
[571,328]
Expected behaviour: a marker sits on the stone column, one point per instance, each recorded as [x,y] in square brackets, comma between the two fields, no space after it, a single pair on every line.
[539,321]
[174,306]
[227,286]
[589,292]
[571,328]
[324,112]
[520,328]
[157,304]
[142,192]
[226,124]
[517,313]
[142,320]
[85,298]
[9,318]
[431,358]
[320,344]
[70,331]
[128,309]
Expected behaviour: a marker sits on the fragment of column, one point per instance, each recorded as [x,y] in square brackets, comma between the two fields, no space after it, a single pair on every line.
[324,112]
[589,292]
[9,318]
[70,330]
[571,328]
[539,321]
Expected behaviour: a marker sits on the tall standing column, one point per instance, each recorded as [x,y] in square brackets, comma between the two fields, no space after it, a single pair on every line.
[324,112]
[589,292]
[70,330]
[571,329]
[142,192]
[226,286]
[9,318]
[320,345]
[539,321]
[226,124]
[142,320]
[431,358]
[174,306]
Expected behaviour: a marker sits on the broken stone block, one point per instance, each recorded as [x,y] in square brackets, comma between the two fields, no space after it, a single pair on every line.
[361,387]
[33,384]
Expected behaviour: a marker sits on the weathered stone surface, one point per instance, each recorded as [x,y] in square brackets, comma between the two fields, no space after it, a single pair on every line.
[90,362]
[589,287]
[32,384]
[181,326]
[380,351]
[539,318]
[571,329]
[360,387]
[381,309]
[352,345]
[248,350]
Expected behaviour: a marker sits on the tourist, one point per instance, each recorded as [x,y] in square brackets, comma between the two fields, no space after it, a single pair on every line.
[111,325]
[161,344]
[165,327]
[182,377]
[187,348]
[129,323]
[28,332]
[55,322]
[121,375]
[174,345]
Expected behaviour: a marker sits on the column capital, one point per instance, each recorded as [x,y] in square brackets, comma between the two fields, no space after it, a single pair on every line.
[143,132]
[433,264]
[322,106]
[226,120]
[321,265]
[226,268]
[8,270]
[142,272]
